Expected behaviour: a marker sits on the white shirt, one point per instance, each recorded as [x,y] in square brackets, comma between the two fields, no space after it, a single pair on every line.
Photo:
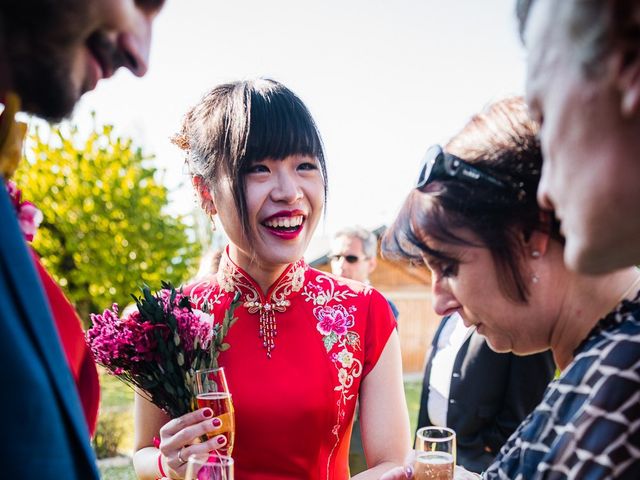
[451,338]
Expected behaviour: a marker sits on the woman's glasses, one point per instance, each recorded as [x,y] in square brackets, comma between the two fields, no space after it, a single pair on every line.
[347,258]
[440,165]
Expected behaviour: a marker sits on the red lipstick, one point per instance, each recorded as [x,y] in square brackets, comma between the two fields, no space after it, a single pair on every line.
[284,232]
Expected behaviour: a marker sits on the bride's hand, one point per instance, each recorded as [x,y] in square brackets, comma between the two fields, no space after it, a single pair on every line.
[180,438]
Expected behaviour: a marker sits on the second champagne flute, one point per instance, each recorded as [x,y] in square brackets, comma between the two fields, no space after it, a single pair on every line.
[212,391]
[209,467]
[436,453]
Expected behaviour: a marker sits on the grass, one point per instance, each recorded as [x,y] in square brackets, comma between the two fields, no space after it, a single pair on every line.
[124,472]
[118,398]
[412,390]
[114,393]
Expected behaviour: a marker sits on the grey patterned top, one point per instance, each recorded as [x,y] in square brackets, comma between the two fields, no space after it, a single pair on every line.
[587,426]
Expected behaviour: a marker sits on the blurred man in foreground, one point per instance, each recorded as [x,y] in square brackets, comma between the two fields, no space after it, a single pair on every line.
[50,54]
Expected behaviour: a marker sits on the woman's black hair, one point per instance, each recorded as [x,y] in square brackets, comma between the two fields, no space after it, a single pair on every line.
[238,123]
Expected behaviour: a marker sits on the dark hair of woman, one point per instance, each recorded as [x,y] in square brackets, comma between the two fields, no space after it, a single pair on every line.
[238,123]
[502,142]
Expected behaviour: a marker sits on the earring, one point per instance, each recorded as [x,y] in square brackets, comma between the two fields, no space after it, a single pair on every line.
[535,278]
[535,254]
[212,217]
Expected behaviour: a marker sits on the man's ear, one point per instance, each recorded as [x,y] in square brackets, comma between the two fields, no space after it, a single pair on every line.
[204,194]
[626,65]
[373,263]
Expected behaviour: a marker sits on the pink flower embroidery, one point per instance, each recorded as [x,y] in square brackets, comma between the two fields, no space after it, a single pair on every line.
[333,320]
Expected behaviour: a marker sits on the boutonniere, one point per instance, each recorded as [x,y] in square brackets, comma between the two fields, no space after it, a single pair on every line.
[29,216]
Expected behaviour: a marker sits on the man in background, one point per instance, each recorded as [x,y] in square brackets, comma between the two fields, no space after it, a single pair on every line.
[51,53]
[481,394]
[354,253]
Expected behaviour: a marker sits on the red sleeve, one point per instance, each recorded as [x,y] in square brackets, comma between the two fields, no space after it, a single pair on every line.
[380,324]
[79,358]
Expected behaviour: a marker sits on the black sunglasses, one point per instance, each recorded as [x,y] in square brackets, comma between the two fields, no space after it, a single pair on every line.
[348,258]
[440,165]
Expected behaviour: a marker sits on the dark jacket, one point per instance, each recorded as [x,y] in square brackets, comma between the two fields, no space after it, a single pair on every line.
[490,394]
[44,433]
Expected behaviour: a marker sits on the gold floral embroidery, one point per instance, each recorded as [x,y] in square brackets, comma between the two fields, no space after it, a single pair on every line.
[204,297]
[232,279]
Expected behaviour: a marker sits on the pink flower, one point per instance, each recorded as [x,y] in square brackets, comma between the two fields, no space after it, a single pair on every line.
[29,216]
[14,193]
[333,319]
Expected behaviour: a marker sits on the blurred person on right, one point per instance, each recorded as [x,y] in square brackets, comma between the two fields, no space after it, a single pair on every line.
[497,260]
[583,85]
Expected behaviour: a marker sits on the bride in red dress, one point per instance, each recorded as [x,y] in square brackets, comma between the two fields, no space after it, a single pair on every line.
[307,345]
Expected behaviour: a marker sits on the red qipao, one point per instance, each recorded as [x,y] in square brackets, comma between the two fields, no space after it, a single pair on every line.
[297,358]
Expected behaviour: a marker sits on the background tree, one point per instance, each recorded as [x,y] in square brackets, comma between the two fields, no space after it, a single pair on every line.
[105,230]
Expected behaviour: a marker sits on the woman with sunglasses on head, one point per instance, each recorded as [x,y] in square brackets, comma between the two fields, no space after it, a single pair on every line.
[497,260]
[306,344]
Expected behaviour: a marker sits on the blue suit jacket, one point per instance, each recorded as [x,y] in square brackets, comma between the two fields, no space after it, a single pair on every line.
[42,426]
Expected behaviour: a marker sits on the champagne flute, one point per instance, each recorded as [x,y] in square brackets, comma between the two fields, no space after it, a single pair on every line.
[212,391]
[436,453]
[209,467]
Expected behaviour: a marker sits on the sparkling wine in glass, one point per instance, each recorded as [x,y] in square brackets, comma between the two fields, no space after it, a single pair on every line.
[209,467]
[212,391]
[436,454]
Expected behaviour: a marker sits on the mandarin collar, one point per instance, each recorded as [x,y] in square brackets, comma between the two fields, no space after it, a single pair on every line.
[233,278]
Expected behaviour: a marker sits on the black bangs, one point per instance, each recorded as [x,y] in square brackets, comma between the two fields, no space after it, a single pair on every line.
[280,125]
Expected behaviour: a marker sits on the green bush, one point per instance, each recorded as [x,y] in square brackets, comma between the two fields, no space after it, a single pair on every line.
[109,434]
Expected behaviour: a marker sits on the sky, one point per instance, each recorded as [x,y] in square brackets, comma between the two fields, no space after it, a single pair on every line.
[384,80]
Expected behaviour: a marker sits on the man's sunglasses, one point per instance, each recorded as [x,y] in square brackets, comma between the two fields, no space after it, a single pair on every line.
[440,165]
[348,258]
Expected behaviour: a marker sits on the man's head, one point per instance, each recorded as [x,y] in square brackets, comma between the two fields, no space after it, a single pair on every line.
[583,84]
[353,253]
[53,51]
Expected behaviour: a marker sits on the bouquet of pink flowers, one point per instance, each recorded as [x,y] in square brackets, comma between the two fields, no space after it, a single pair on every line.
[158,347]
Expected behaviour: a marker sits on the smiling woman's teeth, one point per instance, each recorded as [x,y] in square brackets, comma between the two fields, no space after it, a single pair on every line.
[284,222]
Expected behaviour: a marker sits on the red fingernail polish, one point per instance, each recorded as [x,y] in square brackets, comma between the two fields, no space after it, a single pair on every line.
[221,440]
[207,412]
[216,422]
